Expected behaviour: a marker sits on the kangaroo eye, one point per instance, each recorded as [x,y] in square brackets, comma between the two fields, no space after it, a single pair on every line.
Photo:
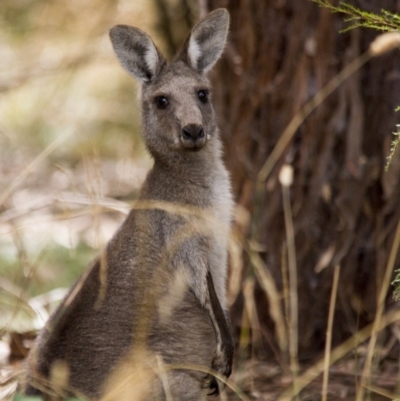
[203,95]
[161,102]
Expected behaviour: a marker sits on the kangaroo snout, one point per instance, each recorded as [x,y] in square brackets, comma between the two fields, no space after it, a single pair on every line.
[193,136]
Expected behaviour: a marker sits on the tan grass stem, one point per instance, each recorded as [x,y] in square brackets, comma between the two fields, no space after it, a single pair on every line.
[339,352]
[383,392]
[267,283]
[328,344]
[229,383]
[379,312]
[286,291]
[251,310]
[286,179]
[164,378]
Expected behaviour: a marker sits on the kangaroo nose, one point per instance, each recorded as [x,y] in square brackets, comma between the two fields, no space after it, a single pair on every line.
[192,132]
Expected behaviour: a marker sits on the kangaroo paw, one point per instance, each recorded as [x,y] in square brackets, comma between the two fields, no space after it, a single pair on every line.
[222,363]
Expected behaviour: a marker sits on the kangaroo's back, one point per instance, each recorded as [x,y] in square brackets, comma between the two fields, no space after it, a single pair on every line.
[149,318]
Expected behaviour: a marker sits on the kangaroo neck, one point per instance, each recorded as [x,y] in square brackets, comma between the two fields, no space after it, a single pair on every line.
[190,166]
[187,180]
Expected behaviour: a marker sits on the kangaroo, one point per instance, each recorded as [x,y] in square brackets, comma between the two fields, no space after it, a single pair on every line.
[148,320]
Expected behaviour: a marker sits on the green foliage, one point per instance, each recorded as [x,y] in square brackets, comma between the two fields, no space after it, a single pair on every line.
[396,282]
[393,146]
[386,21]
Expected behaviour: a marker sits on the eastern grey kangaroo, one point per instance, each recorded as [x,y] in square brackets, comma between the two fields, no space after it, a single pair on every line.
[149,319]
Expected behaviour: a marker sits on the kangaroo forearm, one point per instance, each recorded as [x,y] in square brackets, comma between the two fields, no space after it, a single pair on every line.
[221,324]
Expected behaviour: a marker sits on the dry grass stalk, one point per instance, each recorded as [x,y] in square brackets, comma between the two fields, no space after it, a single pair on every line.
[381,391]
[236,270]
[251,311]
[286,180]
[328,343]
[132,376]
[365,380]
[339,352]
[32,166]
[286,291]
[164,378]
[244,340]
[267,283]
[229,383]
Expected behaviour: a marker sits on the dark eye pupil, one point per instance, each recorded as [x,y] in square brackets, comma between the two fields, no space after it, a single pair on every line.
[202,95]
[161,102]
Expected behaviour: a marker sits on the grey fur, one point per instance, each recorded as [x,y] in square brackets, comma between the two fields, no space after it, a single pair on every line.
[159,289]
[207,41]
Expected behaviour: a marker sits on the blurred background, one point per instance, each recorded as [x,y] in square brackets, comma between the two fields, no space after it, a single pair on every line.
[72,163]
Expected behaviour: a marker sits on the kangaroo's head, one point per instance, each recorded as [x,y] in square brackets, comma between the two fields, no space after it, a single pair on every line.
[177,114]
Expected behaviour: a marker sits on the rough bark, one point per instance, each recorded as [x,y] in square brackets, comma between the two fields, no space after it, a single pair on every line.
[281,53]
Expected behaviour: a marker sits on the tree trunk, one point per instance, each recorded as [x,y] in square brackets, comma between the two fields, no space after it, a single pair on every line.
[344,206]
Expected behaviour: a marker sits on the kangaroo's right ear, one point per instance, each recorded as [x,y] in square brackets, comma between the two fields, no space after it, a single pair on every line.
[206,41]
[136,52]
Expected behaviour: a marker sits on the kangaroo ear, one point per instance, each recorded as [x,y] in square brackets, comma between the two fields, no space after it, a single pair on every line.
[136,52]
[207,41]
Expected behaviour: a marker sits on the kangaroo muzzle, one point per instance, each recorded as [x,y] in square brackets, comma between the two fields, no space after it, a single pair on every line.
[193,136]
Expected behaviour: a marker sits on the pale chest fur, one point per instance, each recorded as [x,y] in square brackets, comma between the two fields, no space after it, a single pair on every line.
[222,205]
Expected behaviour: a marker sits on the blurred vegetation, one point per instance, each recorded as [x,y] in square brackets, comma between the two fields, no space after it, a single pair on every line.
[59,78]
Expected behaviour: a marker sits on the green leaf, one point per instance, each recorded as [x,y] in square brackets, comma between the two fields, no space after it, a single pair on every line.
[396,282]
[385,21]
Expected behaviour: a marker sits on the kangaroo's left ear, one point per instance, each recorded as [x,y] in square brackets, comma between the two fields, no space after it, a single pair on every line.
[206,41]
[136,52]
